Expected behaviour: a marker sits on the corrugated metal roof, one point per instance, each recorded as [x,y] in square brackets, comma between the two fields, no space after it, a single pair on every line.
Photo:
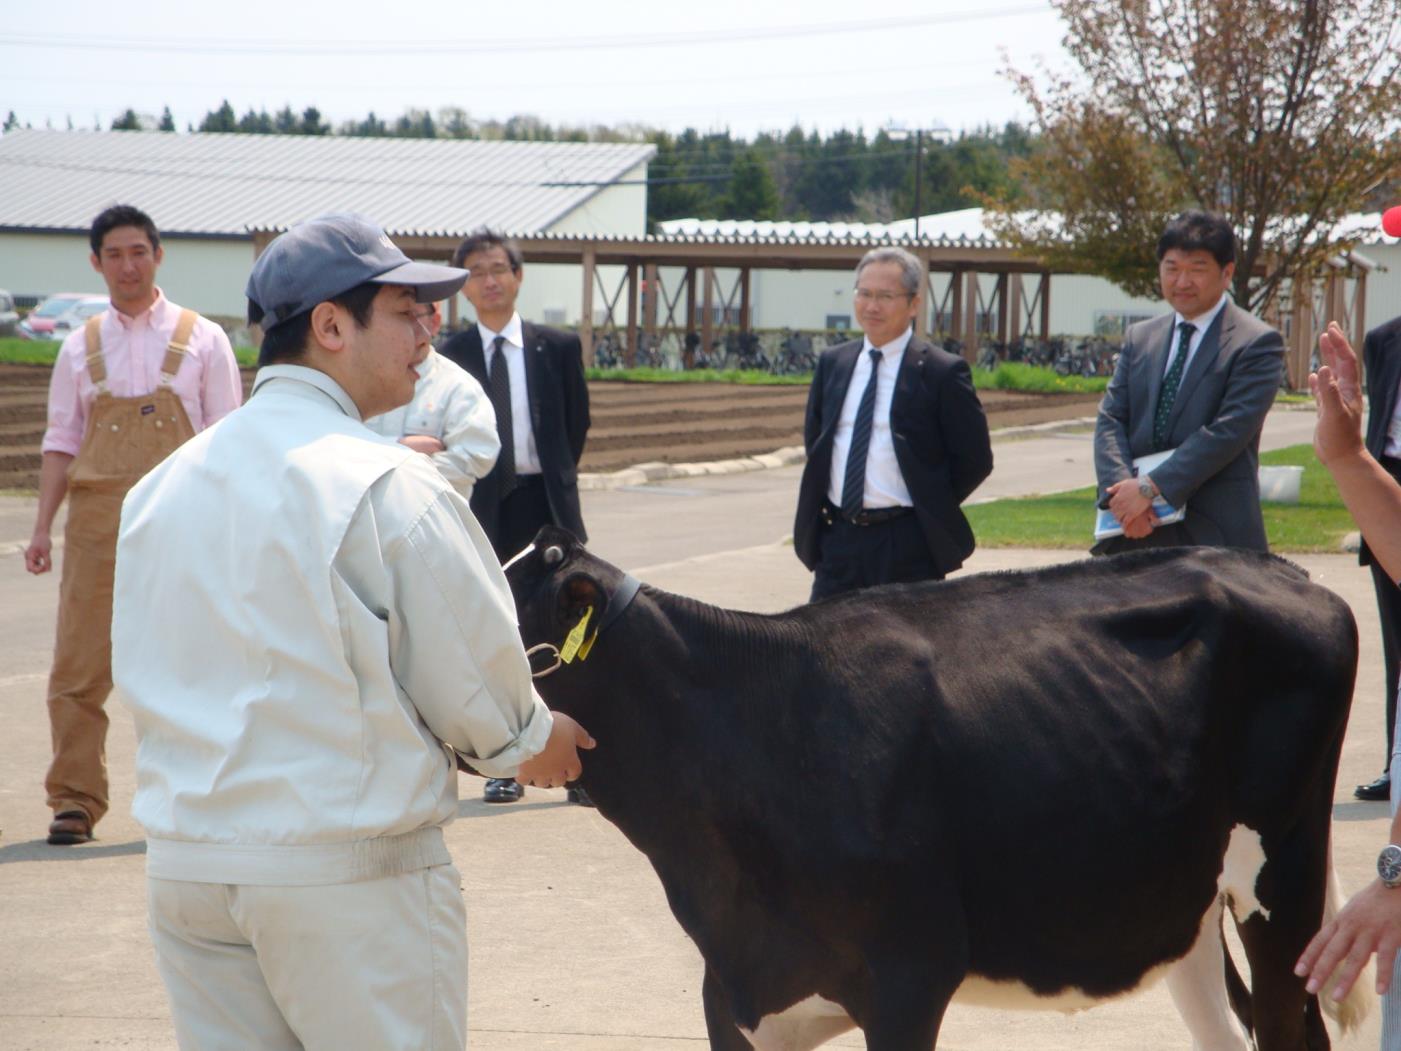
[229,184]
[963,228]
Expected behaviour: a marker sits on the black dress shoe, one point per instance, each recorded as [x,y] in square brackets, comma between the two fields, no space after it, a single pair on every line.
[502,790]
[579,796]
[1375,791]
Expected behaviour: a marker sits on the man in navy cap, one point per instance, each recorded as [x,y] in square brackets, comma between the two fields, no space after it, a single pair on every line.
[310,623]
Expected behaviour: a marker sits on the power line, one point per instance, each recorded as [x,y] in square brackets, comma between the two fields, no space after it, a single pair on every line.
[518,44]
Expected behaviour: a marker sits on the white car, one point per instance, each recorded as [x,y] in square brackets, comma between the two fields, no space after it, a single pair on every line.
[77,314]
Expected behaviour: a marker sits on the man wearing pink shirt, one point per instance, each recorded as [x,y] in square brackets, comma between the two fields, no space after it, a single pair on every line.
[126,390]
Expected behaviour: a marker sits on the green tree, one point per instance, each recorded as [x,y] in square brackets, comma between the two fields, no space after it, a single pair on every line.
[128,121]
[752,193]
[312,124]
[11,122]
[221,119]
[1278,114]
[286,122]
[167,120]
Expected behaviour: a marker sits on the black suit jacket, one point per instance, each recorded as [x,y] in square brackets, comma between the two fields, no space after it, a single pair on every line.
[941,445]
[1381,359]
[559,418]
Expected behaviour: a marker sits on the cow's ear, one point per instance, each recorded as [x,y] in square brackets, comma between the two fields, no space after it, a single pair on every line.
[577,594]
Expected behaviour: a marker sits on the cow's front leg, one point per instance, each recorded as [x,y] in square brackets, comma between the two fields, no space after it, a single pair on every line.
[908,1008]
[719,1023]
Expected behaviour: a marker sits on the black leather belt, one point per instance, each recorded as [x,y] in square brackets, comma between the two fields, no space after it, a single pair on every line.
[864,517]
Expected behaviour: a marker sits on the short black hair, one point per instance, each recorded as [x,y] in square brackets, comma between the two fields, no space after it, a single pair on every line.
[1194,231]
[121,215]
[286,342]
[488,238]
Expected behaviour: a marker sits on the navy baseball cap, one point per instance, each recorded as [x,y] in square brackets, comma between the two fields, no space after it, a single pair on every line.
[331,254]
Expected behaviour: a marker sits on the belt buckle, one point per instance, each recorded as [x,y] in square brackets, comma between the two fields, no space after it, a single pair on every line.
[861,518]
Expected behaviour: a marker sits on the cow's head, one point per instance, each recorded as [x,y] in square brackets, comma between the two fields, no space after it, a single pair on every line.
[568,599]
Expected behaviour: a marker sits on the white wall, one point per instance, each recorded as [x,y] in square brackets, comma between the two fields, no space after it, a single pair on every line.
[207,276]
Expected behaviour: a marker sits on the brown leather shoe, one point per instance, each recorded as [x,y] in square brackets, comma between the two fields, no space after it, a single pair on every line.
[69,828]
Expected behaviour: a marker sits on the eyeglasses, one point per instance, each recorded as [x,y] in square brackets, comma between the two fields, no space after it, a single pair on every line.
[498,272]
[865,295]
[427,312]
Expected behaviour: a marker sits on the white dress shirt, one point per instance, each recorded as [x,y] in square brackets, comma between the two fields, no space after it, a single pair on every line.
[885,485]
[305,617]
[1200,324]
[527,459]
[450,405]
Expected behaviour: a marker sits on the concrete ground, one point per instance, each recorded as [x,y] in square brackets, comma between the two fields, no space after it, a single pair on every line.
[573,948]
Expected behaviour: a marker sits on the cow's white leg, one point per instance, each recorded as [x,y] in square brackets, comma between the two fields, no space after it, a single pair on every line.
[1198,986]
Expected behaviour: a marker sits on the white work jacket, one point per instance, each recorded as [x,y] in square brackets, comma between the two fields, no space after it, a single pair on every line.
[306,616]
[450,405]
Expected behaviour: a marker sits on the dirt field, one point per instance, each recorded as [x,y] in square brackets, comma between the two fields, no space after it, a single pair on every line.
[632,422]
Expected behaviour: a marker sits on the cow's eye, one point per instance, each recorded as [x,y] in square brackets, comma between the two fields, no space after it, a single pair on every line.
[554,555]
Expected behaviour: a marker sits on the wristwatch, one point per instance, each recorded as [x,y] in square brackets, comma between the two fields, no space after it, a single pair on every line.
[1389,865]
[1145,488]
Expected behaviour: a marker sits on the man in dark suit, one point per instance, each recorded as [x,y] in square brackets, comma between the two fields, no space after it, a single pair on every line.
[1197,381]
[896,440]
[1381,355]
[535,379]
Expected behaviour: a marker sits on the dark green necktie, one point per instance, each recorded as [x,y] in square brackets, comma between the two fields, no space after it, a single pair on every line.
[499,379]
[1171,382]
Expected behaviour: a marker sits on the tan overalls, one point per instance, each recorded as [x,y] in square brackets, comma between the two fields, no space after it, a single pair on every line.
[124,438]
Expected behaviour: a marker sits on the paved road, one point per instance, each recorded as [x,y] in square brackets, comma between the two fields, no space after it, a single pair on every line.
[573,948]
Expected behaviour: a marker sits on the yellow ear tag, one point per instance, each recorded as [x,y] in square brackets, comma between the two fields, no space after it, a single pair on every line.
[588,645]
[575,638]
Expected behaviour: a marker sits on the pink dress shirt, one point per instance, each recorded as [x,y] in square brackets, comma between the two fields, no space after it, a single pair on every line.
[208,383]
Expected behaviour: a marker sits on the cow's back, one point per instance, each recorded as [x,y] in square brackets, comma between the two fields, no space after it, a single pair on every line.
[1104,724]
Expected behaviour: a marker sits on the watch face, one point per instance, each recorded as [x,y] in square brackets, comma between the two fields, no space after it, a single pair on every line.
[1145,489]
[1389,865]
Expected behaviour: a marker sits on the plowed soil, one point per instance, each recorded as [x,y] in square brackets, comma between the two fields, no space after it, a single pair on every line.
[632,422]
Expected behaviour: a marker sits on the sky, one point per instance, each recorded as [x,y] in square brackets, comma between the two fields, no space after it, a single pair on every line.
[733,64]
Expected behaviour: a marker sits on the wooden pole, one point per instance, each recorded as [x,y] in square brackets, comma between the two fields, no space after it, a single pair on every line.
[744,300]
[631,354]
[688,354]
[1001,293]
[970,316]
[1045,305]
[956,306]
[651,300]
[586,316]
[707,313]
[1015,309]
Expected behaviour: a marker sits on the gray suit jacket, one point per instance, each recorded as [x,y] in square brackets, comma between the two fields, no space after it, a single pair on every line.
[1215,427]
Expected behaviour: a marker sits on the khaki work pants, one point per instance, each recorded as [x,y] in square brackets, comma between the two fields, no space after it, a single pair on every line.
[125,438]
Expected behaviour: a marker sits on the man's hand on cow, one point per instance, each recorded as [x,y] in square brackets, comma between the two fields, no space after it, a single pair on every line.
[559,761]
[1126,502]
[1369,923]
[1337,394]
[423,443]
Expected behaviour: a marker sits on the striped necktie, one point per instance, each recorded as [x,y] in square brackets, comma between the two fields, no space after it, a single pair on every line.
[854,483]
[1171,382]
[499,379]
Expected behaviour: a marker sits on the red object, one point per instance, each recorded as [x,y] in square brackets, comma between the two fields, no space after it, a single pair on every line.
[1391,221]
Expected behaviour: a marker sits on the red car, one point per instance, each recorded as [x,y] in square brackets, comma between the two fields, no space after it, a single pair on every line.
[40,322]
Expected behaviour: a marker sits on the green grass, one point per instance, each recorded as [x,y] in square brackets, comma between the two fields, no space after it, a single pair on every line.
[1317,523]
[44,351]
[1036,378]
[745,377]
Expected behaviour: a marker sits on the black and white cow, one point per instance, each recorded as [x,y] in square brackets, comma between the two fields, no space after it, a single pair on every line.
[1034,789]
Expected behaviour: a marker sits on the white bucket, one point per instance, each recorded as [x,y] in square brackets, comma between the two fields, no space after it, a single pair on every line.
[1280,485]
